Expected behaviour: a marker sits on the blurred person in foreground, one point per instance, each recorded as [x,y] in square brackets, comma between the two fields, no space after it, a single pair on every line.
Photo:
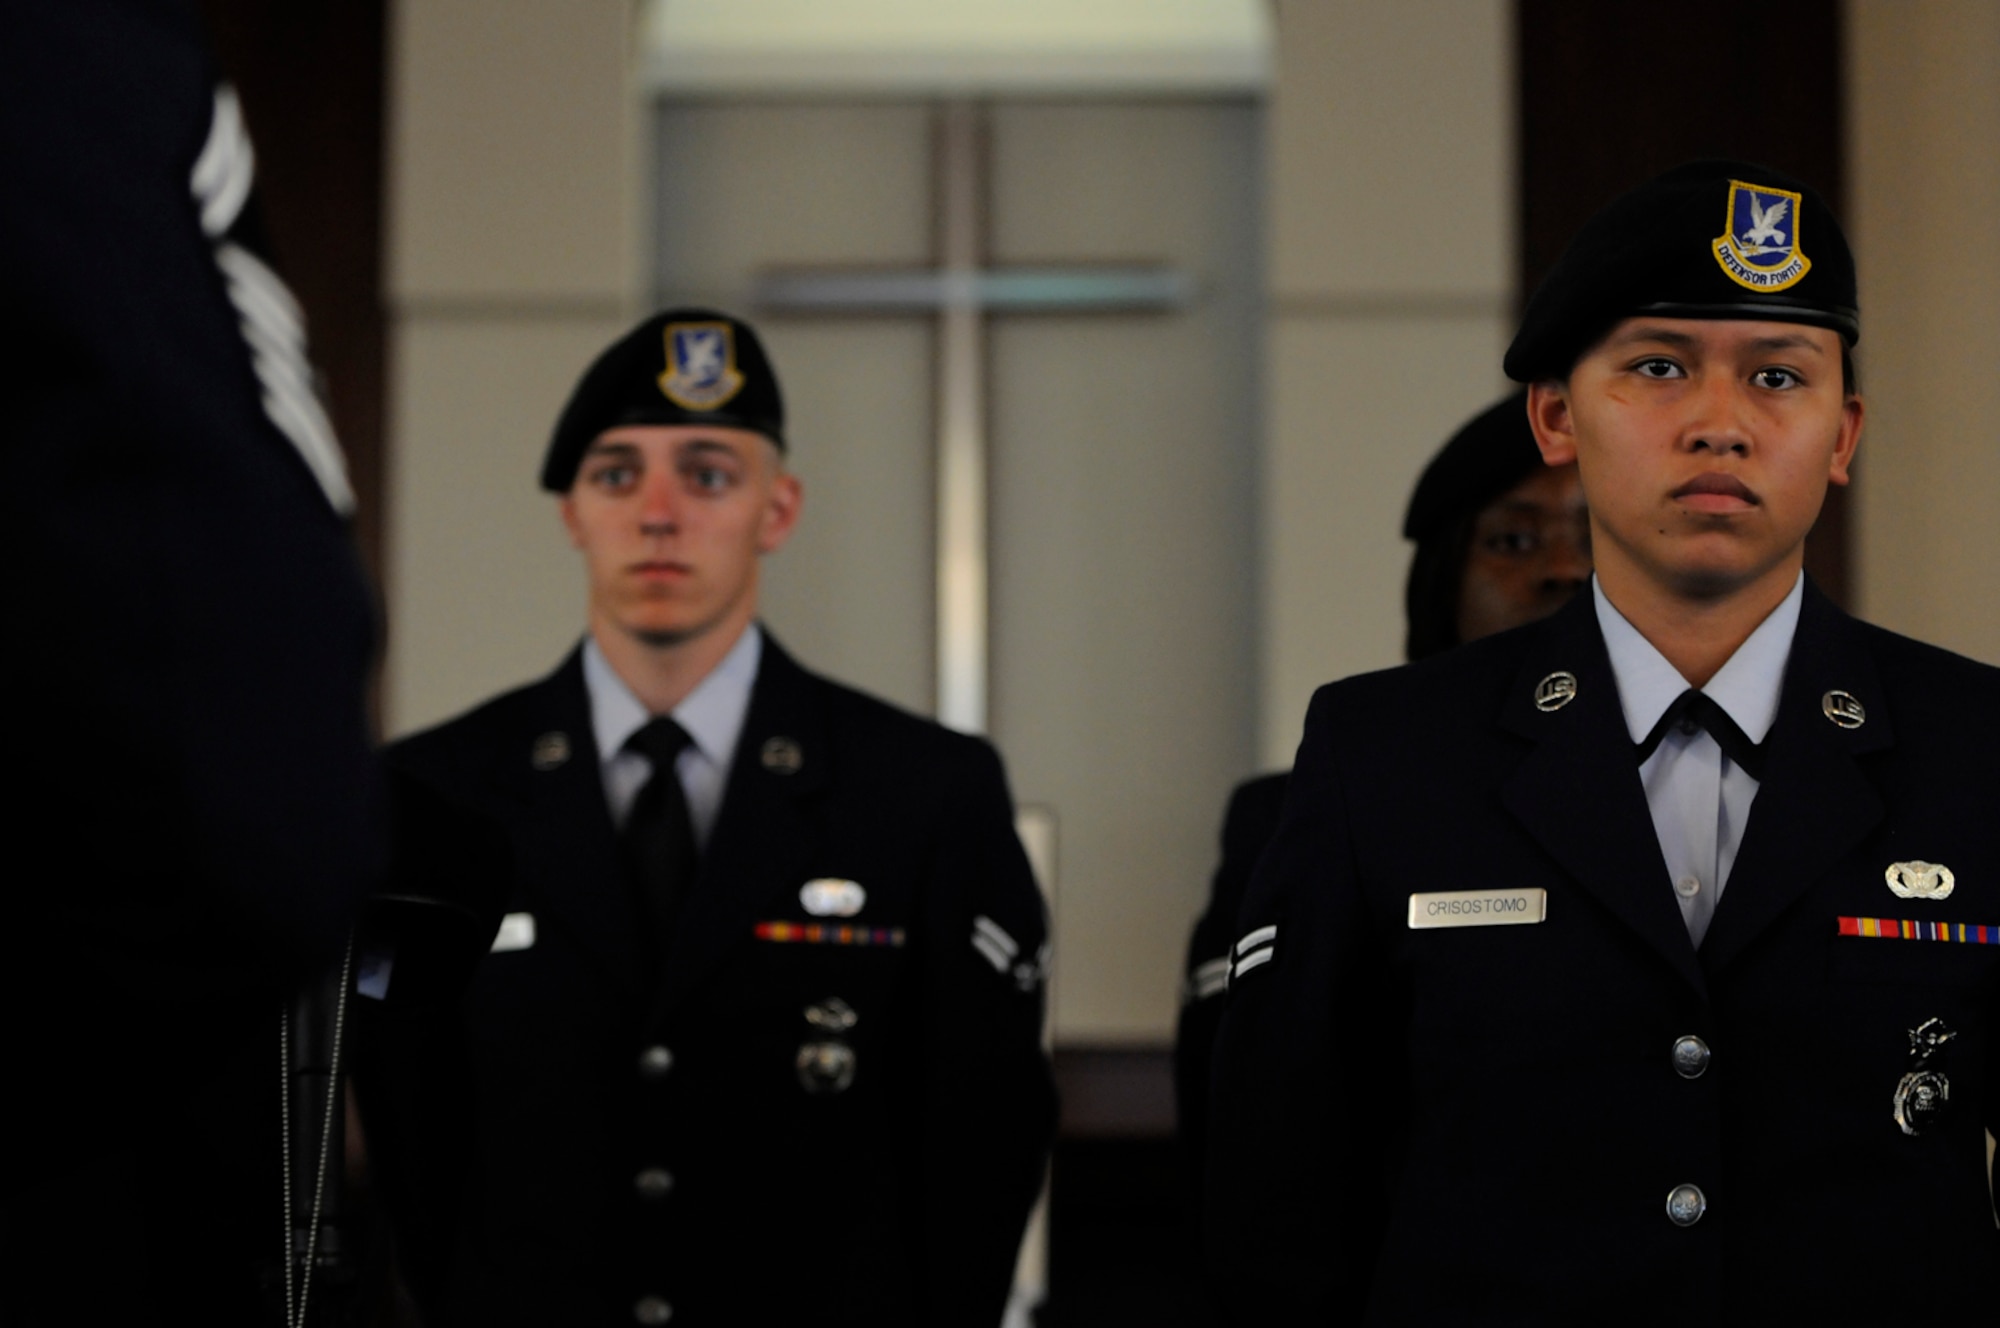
[1642,963]
[758,1039]
[1501,539]
[185,681]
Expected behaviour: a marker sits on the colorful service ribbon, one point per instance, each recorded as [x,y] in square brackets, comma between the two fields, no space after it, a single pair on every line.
[1903,929]
[819,933]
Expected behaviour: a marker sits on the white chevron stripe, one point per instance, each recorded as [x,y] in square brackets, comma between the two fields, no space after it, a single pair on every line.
[994,932]
[1252,960]
[986,947]
[224,170]
[274,326]
[1255,939]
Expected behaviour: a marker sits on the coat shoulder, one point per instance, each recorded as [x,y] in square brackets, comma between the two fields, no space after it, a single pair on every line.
[1932,690]
[461,751]
[888,731]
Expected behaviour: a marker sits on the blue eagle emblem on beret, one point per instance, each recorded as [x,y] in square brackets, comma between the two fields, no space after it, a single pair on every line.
[1759,246]
[701,371]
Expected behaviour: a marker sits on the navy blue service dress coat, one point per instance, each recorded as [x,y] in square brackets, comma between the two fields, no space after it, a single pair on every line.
[188,642]
[1484,1124]
[571,1145]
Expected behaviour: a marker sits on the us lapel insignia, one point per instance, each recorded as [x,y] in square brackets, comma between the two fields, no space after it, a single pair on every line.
[550,750]
[782,756]
[829,897]
[1920,880]
[1555,691]
[1843,709]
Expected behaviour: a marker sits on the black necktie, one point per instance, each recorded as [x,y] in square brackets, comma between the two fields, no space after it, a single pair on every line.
[1693,710]
[658,838]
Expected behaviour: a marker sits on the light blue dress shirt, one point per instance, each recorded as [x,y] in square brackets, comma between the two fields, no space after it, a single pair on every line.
[712,714]
[1699,798]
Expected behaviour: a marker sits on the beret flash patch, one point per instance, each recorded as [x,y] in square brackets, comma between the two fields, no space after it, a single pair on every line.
[701,371]
[1759,246]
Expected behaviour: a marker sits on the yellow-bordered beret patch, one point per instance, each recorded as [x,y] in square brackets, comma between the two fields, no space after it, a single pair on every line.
[701,371]
[1759,246]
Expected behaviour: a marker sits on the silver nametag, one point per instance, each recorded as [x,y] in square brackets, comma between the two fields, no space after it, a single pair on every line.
[1477,908]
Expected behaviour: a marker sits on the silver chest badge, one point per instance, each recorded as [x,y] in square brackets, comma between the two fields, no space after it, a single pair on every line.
[1923,1094]
[1920,880]
[831,897]
[826,1064]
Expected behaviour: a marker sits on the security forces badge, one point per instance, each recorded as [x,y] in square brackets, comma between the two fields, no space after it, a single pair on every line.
[701,371]
[1759,246]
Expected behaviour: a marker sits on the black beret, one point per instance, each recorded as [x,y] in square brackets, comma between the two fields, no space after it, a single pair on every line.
[684,366]
[1712,239]
[1490,454]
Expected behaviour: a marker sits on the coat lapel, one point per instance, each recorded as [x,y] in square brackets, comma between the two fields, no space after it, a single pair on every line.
[762,844]
[1578,793]
[1814,804]
[568,824]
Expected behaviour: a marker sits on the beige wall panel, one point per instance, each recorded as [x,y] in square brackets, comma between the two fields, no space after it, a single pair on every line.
[1924,107]
[484,592]
[741,187]
[1392,164]
[853,593]
[1358,408]
[1122,509]
[512,172]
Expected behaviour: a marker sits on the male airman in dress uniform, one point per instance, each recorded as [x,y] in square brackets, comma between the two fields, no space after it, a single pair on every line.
[1642,964]
[759,1037]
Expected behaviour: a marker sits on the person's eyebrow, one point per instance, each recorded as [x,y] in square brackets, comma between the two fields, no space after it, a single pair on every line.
[707,445]
[623,451]
[1664,335]
[1787,343]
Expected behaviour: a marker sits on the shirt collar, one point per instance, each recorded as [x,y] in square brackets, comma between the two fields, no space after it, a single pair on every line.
[1747,686]
[713,713]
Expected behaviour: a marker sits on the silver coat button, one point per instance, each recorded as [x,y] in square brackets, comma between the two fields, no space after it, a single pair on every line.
[1687,887]
[653,1183]
[1690,1057]
[651,1309]
[1685,1205]
[654,1062]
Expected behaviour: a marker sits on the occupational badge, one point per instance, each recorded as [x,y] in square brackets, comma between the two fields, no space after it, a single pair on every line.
[826,1063]
[551,750]
[782,756]
[1555,691]
[1923,1094]
[1920,880]
[1759,245]
[701,371]
[828,897]
[1843,709]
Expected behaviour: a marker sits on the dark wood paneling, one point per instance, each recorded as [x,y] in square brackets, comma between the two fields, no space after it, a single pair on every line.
[1614,93]
[310,75]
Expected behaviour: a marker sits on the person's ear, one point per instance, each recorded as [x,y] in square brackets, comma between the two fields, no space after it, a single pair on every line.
[1852,412]
[781,512]
[1553,422]
[566,505]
